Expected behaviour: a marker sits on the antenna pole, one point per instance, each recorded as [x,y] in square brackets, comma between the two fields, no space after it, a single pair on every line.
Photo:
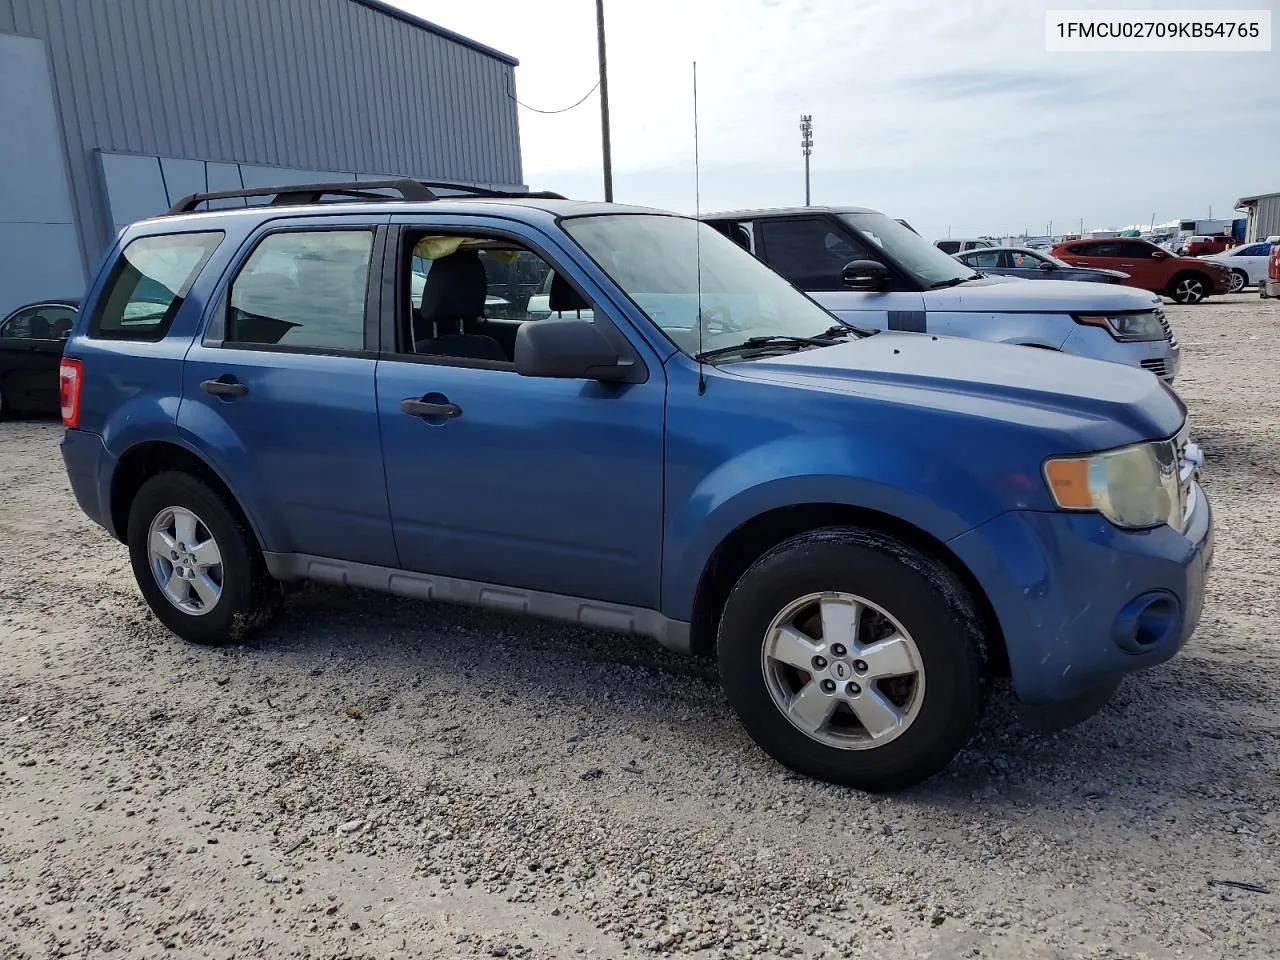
[697,232]
[604,105]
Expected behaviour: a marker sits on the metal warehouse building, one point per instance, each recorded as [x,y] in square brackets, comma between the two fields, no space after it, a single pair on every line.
[111,110]
[1263,212]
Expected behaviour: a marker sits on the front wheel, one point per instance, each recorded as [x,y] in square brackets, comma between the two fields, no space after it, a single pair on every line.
[852,657]
[1238,281]
[1189,290]
[198,567]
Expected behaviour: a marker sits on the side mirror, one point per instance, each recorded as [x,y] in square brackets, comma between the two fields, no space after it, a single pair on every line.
[1159,255]
[865,275]
[1048,265]
[568,350]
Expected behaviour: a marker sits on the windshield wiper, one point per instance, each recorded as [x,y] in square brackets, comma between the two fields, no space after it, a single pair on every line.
[844,330]
[756,343]
[954,281]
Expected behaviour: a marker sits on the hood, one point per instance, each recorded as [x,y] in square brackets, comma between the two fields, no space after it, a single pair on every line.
[1019,295]
[1089,404]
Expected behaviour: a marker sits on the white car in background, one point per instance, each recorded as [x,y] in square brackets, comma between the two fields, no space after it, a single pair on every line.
[1248,264]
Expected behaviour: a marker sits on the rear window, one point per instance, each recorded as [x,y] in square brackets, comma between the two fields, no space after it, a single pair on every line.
[148,284]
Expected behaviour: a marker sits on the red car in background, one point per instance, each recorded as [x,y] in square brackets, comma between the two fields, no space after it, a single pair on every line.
[1270,287]
[1184,279]
[1207,246]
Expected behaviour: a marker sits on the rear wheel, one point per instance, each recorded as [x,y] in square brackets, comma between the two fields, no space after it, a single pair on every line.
[1189,289]
[852,657]
[1239,279]
[197,565]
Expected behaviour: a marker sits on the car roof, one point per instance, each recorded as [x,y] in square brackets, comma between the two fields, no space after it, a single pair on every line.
[1000,249]
[781,212]
[443,205]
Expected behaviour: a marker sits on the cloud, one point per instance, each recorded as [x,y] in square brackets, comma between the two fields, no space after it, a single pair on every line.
[944,113]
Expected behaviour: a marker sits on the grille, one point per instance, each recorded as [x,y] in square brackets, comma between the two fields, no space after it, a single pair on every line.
[1158,366]
[1168,329]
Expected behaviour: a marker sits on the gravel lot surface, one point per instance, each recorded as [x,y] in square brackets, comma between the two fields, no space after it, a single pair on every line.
[381,778]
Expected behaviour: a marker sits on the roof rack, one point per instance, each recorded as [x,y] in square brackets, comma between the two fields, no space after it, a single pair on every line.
[409,190]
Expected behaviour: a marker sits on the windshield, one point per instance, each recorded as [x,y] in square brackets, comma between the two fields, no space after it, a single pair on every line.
[654,259]
[916,255]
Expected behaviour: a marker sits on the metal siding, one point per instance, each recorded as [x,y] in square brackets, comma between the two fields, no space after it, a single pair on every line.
[1268,217]
[300,84]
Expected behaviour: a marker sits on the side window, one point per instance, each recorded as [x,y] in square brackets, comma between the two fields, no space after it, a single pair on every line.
[49,321]
[148,284]
[949,246]
[810,252]
[983,260]
[469,295]
[18,326]
[302,289]
[1112,251]
[1135,251]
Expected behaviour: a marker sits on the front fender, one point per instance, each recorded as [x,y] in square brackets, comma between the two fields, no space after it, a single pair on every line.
[917,487]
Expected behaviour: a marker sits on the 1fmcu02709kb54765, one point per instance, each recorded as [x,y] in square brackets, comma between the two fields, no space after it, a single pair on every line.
[864,530]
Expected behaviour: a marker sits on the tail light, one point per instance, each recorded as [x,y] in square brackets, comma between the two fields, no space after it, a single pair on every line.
[70,383]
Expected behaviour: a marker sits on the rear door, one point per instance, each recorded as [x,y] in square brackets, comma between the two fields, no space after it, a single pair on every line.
[31,342]
[812,252]
[279,390]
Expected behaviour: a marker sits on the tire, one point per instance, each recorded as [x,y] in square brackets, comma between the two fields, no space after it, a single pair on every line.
[903,593]
[1189,288]
[226,601]
[1239,280]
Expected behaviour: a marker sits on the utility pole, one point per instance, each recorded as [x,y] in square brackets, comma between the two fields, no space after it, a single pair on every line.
[806,146]
[604,105]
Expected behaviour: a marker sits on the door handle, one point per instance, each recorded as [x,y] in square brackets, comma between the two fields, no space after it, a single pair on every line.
[225,386]
[425,408]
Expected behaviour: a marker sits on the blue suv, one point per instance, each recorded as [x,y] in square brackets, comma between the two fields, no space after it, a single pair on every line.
[333,383]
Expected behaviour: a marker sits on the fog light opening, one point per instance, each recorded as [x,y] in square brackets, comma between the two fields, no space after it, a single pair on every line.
[1147,622]
[1154,622]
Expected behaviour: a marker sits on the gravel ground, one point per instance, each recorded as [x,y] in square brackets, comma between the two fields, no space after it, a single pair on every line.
[382,778]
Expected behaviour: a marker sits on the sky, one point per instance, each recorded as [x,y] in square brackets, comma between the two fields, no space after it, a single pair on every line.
[948,113]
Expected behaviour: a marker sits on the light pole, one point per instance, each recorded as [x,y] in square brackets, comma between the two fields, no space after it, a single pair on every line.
[604,105]
[806,145]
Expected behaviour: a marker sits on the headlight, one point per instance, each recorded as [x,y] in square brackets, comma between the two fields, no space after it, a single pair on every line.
[1133,487]
[1127,326]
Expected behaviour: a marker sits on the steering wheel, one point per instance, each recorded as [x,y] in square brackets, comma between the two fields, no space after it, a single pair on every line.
[718,315]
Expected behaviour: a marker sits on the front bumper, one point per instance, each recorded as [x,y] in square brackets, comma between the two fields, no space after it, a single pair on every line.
[1161,357]
[1067,589]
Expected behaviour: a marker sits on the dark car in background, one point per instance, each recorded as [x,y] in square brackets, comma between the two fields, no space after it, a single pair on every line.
[31,342]
[1034,265]
[1183,279]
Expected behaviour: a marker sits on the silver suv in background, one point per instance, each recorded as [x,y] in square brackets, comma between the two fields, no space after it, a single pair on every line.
[961,244]
[872,272]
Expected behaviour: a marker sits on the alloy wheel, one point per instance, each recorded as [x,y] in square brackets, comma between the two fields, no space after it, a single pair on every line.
[843,671]
[1189,290]
[1237,281]
[185,560]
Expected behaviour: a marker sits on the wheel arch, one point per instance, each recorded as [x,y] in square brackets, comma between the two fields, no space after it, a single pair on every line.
[751,539]
[150,457]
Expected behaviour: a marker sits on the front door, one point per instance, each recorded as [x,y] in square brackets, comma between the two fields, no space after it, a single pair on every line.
[31,343]
[1138,260]
[280,390]
[812,252]
[542,484]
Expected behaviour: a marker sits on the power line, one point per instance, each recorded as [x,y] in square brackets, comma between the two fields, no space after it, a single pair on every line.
[577,103]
